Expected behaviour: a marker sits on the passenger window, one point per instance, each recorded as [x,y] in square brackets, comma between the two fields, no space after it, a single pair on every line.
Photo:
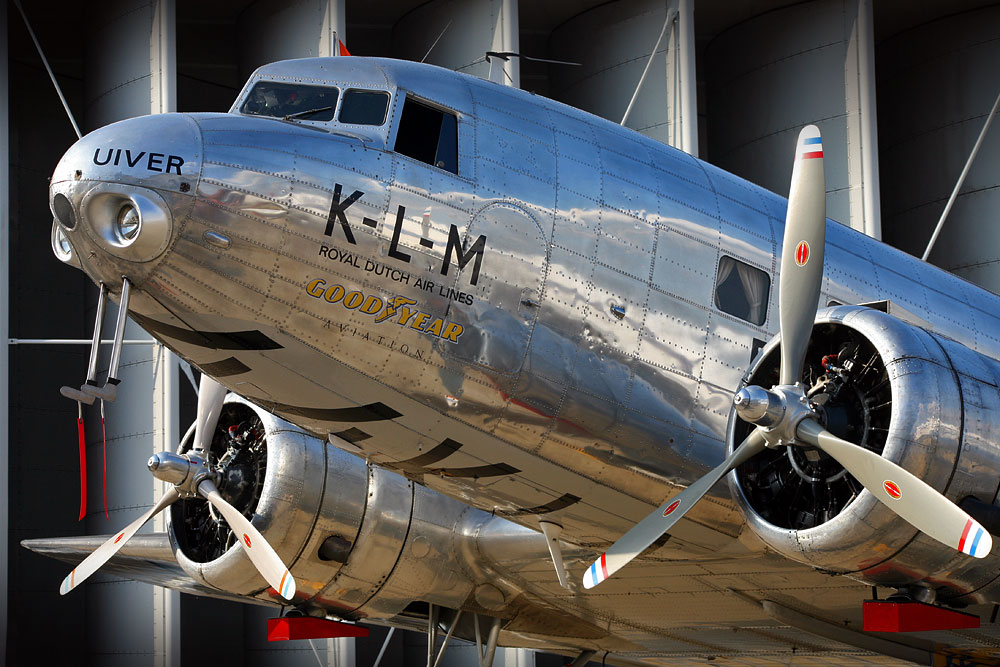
[281,100]
[429,135]
[742,290]
[364,107]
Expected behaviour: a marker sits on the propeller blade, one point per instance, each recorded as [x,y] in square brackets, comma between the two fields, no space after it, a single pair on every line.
[903,493]
[260,552]
[802,253]
[647,531]
[103,553]
[210,397]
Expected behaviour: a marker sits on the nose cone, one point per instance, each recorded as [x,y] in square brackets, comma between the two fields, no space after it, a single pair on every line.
[119,193]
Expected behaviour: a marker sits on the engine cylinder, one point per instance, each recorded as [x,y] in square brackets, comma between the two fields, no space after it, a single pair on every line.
[923,402]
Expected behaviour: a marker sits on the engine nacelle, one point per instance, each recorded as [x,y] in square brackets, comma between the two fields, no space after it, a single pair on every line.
[924,402]
[359,540]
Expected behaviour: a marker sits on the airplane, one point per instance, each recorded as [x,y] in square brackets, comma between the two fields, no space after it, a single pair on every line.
[472,335]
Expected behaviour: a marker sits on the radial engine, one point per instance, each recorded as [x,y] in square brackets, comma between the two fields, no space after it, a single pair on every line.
[921,400]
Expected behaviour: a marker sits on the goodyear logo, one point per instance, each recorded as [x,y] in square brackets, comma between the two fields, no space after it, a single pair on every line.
[398,309]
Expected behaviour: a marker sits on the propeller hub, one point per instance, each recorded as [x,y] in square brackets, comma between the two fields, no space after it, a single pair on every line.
[184,472]
[777,412]
[759,406]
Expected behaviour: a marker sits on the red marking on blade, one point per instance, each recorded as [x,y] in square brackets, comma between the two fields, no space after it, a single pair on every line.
[83,468]
[802,253]
[965,534]
[246,539]
[119,538]
[604,565]
[892,489]
[814,154]
[670,509]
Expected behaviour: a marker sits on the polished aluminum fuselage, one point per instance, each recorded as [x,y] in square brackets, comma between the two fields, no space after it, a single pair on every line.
[577,368]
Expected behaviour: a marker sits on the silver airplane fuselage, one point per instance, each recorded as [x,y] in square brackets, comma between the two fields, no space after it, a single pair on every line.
[536,331]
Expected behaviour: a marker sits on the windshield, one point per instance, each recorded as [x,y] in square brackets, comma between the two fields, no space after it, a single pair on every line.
[291,100]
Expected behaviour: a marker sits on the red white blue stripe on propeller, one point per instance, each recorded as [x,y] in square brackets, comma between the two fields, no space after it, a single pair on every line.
[811,148]
[973,542]
[597,572]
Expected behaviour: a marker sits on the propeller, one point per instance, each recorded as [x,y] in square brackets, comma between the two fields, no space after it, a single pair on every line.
[192,477]
[783,415]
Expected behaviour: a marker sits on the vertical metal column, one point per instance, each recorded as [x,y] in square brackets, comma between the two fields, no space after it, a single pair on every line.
[166,407]
[4,325]
[688,79]
[511,40]
[334,28]
[869,120]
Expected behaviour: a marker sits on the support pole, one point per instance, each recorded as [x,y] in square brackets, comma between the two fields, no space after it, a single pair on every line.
[59,92]
[479,639]
[4,326]
[688,88]
[447,637]
[511,43]
[583,658]
[385,645]
[95,344]
[649,63]
[961,179]
[869,121]
[432,619]
[116,349]
[491,643]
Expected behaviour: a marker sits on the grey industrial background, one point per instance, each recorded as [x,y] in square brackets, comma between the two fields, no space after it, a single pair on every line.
[900,89]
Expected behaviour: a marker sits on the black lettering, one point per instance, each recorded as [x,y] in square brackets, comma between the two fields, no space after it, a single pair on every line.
[97,154]
[337,209]
[174,162]
[372,266]
[154,158]
[464,256]
[118,156]
[324,251]
[131,162]
[368,222]
[394,244]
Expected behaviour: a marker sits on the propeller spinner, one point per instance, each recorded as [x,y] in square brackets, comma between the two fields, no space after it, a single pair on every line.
[192,477]
[783,415]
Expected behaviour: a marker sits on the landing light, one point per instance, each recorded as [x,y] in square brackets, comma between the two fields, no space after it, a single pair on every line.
[128,223]
[61,246]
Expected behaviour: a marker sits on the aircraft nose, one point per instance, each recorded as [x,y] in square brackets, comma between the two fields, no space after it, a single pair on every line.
[119,192]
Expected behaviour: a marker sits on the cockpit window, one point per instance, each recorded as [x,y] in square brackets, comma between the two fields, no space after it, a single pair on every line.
[429,135]
[291,100]
[364,107]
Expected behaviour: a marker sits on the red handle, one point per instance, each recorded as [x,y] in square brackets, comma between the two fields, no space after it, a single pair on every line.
[83,468]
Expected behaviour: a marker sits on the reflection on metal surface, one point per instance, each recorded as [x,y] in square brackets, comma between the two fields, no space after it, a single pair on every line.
[592,373]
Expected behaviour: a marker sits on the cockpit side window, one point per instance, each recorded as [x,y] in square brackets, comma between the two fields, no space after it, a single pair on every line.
[282,100]
[364,107]
[429,135]
[742,290]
